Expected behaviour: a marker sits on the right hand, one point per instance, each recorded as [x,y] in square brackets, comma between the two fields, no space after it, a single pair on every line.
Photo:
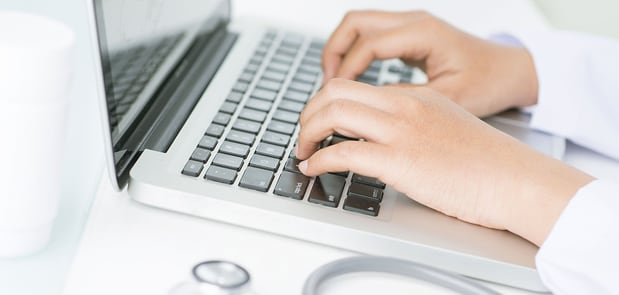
[427,147]
[481,76]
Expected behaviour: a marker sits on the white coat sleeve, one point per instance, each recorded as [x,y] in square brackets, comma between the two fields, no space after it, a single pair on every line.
[579,98]
[581,253]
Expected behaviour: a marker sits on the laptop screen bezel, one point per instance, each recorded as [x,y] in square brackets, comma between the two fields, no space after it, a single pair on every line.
[101,57]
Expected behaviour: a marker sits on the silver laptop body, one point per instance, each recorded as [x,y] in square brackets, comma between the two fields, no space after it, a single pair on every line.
[169,70]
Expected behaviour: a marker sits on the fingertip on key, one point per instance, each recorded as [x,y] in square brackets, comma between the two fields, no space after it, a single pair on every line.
[303,166]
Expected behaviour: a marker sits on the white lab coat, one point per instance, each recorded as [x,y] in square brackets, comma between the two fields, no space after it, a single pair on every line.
[579,98]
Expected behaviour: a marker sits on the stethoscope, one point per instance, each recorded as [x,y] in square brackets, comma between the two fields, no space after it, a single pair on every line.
[227,278]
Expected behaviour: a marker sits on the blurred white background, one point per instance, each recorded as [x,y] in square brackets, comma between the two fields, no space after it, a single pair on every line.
[45,272]
[595,16]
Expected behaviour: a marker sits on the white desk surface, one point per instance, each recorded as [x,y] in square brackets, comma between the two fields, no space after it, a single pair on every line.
[129,248]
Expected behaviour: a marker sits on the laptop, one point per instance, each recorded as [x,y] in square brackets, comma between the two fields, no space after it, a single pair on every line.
[200,117]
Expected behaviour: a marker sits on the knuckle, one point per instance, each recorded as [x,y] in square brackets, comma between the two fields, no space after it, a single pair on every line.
[431,23]
[331,87]
[343,150]
[424,91]
[421,13]
[338,106]
[351,15]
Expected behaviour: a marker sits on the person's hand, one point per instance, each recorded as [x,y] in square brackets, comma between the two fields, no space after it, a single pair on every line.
[427,147]
[481,76]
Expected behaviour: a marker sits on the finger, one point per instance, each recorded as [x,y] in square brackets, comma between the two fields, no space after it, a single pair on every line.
[409,42]
[369,95]
[355,23]
[346,117]
[365,158]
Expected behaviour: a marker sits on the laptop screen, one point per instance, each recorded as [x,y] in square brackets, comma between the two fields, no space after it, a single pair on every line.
[141,43]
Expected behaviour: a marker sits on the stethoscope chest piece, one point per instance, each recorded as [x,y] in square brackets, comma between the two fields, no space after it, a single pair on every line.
[215,277]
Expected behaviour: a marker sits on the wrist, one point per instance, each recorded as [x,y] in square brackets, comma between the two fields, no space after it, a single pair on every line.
[518,67]
[543,193]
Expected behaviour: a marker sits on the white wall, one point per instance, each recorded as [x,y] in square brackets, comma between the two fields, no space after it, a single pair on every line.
[595,16]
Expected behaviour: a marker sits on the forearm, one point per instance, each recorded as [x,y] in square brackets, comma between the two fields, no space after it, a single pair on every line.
[544,189]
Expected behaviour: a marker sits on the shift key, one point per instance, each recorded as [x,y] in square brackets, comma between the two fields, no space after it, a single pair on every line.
[327,190]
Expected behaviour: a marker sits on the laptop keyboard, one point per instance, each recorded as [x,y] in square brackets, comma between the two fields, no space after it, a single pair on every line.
[250,141]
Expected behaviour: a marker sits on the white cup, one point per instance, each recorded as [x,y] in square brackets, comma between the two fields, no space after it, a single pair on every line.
[35,71]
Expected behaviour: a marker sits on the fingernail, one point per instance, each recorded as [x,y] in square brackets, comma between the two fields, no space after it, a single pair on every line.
[303,166]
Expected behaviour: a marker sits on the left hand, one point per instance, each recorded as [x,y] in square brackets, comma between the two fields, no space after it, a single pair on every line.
[482,76]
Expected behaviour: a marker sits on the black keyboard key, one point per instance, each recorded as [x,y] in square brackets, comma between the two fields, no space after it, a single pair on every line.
[365,191]
[257,60]
[200,155]
[367,81]
[222,119]
[316,53]
[305,77]
[235,97]
[253,115]
[327,190]
[264,162]
[292,106]
[342,174]
[228,107]
[246,77]
[259,104]
[247,126]
[337,139]
[395,69]
[297,96]
[311,58]
[362,205]
[276,138]
[262,50]
[208,142]
[286,51]
[228,161]
[292,164]
[278,67]
[220,174]
[256,179]
[375,65]
[293,39]
[240,86]
[317,44]
[192,168]
[235,149]
[264,94]
[310,69]
[368,180]
[215,130]
[284,59]
[286,116]
[311,61]
[370,75]
[270,150]
[291,185]
[241,137]
[269,85]
[281,127]
[275,76]
[252,68]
